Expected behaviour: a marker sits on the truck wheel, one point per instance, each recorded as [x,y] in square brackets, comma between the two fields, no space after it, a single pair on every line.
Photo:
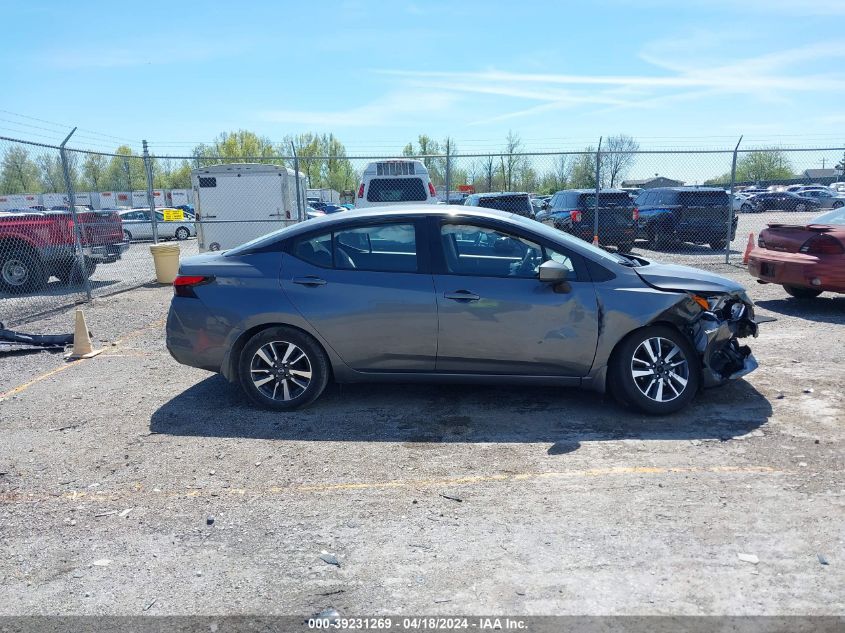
[802,293]
[655,370]
[70,272]
[182,233]
[658,238]
[718,245]
[21,271]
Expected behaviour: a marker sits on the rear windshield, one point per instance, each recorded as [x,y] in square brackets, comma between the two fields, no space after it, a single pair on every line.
[588,200]
[837,216]
[396,190]
[703,198]
[511,204]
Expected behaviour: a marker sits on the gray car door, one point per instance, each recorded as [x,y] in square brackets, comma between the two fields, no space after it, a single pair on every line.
[495,316]
[359,288]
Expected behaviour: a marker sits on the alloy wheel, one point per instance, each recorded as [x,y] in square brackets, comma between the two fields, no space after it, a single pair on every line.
[280,370]
[660,370]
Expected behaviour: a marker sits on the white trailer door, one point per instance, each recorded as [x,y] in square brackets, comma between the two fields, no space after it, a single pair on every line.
[236,208]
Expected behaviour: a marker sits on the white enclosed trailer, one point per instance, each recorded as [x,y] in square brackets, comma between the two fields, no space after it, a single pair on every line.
[124,199]
[51,200]
[107,200]
[177,197]
[236,203]
[19,200]
[324,195]
[139,198]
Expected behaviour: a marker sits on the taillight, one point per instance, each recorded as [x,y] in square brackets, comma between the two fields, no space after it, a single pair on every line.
[636,214]
[183,285]
[575,215]
[361,191]
[822,245]
[431,190]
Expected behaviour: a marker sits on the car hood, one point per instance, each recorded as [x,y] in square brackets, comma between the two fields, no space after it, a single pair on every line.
[685,278]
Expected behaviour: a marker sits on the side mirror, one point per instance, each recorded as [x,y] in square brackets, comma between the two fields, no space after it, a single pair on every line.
[553,272]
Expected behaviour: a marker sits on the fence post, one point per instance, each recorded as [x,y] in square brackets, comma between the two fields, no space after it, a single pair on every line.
[77,230]
[731,205]
[598,187]
[448,174]
[299,213]
[148,172]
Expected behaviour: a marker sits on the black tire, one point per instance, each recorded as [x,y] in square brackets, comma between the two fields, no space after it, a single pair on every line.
[625,248]
[182,233]
[127,235]
[800,207]
[629,391]
[21,271]
[718,245]
[802,293]
[838,204]
[745,207]
[659,238]
[71,273]
[251,364]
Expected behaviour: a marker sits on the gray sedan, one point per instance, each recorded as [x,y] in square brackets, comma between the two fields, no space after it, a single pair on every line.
[454,294]
[825,197]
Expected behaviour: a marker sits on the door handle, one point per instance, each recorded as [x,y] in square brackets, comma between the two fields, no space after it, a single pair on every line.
[461,295]
[309,281]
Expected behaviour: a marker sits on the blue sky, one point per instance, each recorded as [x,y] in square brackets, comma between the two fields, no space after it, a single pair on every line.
[671,73]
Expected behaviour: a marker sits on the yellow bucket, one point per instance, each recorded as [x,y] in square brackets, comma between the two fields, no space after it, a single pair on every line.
[166,260]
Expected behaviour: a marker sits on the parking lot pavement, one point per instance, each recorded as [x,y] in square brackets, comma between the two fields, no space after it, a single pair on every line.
[130,484]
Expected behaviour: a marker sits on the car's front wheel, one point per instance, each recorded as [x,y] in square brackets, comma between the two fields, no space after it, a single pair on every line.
[838,204]
[802,293]
[283,369]
[655,370]
[747,208]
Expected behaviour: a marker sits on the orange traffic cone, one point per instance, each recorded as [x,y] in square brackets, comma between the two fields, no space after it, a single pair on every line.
[82,347]
[748,248]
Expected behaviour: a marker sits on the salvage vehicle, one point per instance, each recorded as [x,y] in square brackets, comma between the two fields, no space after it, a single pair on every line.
[454,294]
[806,259]
[700,215]
[35,245]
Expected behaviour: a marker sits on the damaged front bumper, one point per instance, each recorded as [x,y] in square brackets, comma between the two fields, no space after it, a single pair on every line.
[716,333]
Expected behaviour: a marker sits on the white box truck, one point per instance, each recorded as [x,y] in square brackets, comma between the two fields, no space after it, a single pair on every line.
[139,198]
[124,199]
[323,195]
[19,201]
[177,197]
[238,202]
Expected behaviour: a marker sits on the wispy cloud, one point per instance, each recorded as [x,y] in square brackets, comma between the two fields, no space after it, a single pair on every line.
[393,109]
[83,57]
[686,70]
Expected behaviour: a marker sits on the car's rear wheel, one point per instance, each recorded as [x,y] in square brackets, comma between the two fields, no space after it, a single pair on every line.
[802,293]
[182,233]
[838,204]
[800,207]
[655,370]
[22,270]
[127,235]
[747,208]
[283,369]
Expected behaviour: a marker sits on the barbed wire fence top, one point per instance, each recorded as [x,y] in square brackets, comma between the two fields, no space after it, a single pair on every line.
[54,252]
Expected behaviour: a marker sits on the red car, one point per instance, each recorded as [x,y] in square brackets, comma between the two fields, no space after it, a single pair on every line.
[805,259]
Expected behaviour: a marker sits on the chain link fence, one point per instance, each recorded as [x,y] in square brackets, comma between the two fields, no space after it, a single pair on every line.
[77,224]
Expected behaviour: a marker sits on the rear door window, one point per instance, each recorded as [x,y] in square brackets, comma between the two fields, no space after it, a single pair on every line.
[396,190]
[382,248]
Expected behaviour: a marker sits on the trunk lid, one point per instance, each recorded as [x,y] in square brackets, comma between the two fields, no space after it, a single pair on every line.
[788,238]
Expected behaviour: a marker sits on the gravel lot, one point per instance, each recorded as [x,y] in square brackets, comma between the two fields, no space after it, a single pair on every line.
[435,500]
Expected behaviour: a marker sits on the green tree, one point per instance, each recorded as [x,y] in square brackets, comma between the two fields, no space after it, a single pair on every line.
[763,165]
[93,172]
[583,173]
[235,147]
[18,173]
[125,171]
[51,174]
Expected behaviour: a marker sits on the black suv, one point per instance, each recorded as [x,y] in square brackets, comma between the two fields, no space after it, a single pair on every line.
[518,203]
[685,214]
[573,211]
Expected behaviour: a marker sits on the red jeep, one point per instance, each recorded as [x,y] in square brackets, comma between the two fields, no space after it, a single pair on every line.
[37,245]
